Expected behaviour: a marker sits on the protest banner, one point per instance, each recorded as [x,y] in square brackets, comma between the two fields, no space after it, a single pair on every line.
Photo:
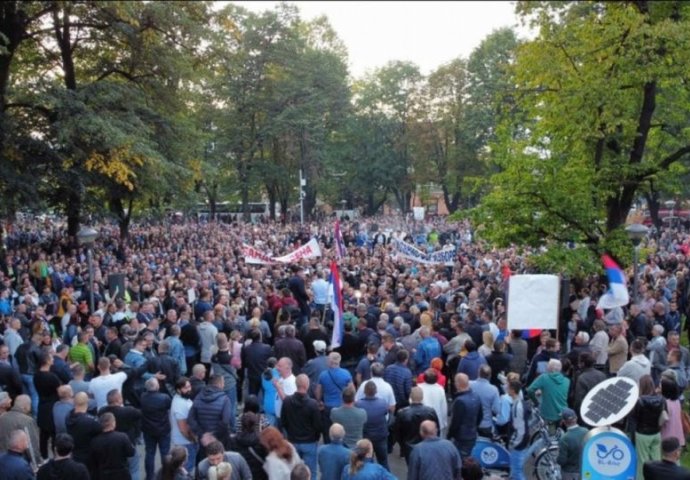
[253,256]
[405,250]
[533,302]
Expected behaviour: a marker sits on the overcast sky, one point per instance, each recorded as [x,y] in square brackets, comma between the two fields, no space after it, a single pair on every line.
[427,33]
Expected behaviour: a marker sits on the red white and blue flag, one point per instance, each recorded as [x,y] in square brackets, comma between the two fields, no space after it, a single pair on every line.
[336,306]
[617,295]
[338,241]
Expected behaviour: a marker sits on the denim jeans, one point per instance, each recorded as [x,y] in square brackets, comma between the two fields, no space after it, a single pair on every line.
[151,443]
[134,465]
[307,451]
[517,464]
[30,389]
[231,392]
[191,457]
[381,451]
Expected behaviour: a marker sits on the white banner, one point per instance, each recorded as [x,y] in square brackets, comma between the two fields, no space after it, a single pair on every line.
[533,302]
[405,250]
[308,250]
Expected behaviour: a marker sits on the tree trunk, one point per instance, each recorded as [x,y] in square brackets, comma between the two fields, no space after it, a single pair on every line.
[654,205]
[73,210]
[452,201]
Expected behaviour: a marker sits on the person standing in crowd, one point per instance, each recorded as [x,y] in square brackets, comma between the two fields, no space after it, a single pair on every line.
[645,421]
[376,426]
[316,365]
[334,456]
[587,379]
[570,446]
[100,386]
[518,443]
[255,355]
[618,348]
[299,292]
[433,458]
[207,338]
[488,394]
[155,410]
[428,349]
[554,387]
[399,377]
[466,415]
[300,417]
[62,466]
[13,464]
[62,407]
[285,384]
[128,421]
[215,455]
[83,428]
[361,465]
[292,348]
[172,466]
[600,343]
[407,421]
[109,452]
[434,396]
[638,365]
[248,444]
[47,384]
[351,417]
[211,411]
[19,418]
[331,384]
[666,468]
[470,363]
[282,456]
[180,432]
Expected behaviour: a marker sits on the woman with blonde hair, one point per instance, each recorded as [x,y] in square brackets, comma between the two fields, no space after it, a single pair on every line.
[362,466]
[282,456]
[222,471]
[488,344]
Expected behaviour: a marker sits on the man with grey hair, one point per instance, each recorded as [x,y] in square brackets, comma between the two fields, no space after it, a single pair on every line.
[155,410]
[383,388]
[19,418]
[328,392]
[176,350]
[554,387]
[334,456]
[433,458]
[13,465]
[291,348]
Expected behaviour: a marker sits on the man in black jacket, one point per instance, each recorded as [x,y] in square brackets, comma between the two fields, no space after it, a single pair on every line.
[211,412]
[127,421]
[668,467]
[155,410]
[299,291]
[82,427]
[110,451]
[301,418]
[62,465]
[408,420]
[254,358]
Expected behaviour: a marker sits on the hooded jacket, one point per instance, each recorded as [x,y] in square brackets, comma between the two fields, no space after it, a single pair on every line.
[211,412]
[636,368]
[554,388]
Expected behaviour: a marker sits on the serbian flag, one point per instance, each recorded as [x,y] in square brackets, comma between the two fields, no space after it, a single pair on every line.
[338,241]
[617,294]
[336,306]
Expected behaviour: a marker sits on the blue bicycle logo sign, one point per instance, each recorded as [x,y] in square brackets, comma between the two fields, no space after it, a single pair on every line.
[615,453]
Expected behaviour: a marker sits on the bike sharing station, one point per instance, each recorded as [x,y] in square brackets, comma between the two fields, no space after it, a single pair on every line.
[533,304]
[608,452]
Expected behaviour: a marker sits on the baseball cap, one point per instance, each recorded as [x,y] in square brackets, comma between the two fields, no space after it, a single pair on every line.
[568,414]
[670,445]
[319,345]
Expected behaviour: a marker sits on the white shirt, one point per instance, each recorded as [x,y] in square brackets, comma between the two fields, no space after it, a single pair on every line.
[320,289]
[383,390]
[435,397]
[179,410]
[600,345]
[289,386]
[101,385]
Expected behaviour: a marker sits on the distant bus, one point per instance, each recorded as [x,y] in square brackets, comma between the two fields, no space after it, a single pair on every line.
[228,211]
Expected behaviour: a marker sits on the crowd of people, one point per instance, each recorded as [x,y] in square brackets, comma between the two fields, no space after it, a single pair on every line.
[204,366]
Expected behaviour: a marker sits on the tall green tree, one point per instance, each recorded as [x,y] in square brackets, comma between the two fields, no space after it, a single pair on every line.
[604,88]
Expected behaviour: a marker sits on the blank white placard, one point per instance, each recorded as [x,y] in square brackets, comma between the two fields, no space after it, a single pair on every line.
[533,302]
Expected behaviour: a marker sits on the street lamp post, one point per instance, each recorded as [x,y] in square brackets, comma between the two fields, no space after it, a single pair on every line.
[87,236]
[636,232]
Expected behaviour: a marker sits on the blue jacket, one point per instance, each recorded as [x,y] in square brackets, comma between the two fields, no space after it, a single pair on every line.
[332,458]
[488,394]
[446,461]
[427,350]
[470,363]
[466,416]
[14,467]
[369,471]
[211,412]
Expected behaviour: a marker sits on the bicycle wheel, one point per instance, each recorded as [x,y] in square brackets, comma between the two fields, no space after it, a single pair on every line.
[545,465]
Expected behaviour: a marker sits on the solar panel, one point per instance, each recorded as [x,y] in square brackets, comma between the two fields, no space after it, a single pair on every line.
[609,401]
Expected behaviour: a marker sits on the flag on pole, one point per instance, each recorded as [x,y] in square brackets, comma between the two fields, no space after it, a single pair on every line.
[336,306]
[617,295]
[338,241]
